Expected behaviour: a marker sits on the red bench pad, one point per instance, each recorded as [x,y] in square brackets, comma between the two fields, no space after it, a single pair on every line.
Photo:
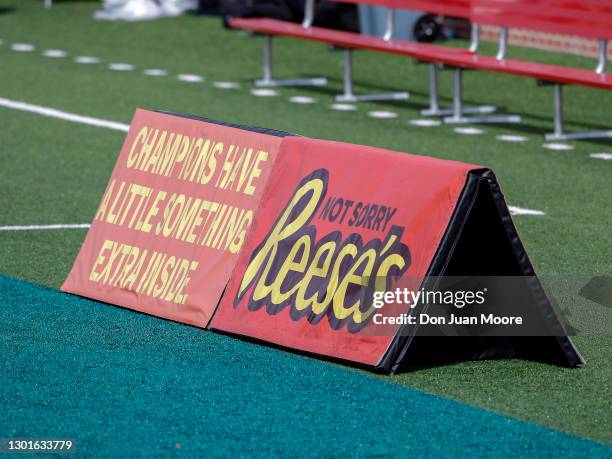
[429,53]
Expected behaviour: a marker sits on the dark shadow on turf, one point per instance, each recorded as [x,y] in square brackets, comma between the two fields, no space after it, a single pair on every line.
[335,88]
[59,2]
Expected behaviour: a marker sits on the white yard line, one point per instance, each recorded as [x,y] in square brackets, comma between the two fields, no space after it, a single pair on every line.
[55,53]
[558,146]
[120,66]
[155,72]
[86,60]
[605,156]
[425,122]
[226,84]
[513,210]
[44,227]
[381,114]
[53,113]
[302,100]
[512,138]
[521,211]
[23,47]
[343,107]
[264,92]
[190,78]
[468,131]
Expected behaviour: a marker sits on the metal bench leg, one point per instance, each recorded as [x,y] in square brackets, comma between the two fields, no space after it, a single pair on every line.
[434,104]
[269,81]
[558,91]
[559,133]
[349,96]
[458,110]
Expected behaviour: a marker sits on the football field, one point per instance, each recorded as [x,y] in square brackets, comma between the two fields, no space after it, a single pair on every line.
[120,382]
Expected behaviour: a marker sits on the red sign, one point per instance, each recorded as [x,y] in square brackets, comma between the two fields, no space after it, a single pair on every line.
[334,219]
[174,216]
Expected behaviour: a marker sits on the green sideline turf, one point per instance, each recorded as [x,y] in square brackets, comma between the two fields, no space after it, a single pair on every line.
[52,171]
[126,384]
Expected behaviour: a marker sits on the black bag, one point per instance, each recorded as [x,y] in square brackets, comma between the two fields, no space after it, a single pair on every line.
[331,15]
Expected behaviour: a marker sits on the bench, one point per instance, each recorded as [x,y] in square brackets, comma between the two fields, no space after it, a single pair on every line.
[584,18]
[587,18]
[349,41]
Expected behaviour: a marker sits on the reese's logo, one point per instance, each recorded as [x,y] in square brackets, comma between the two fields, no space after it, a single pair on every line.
[332,276]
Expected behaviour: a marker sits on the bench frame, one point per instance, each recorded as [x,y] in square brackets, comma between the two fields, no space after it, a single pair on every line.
[348,94]
[559,131]
[268,80]
[458,112]
[458,60]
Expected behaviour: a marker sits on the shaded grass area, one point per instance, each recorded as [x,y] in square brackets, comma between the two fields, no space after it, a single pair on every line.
[54,172]
[572,400]
[145,386]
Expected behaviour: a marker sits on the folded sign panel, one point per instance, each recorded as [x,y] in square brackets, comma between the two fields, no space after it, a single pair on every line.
[285,239]
[175,213]
[336,217]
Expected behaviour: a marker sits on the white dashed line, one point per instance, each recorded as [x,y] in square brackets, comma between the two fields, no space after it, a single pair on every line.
[343,107]
[86,60]
[425,122]
[120,67]
[44,227]
[190,78]
[605,156]
[155,72]
[382,114]
[22,47]
[54,53]
[468,131]
[303,100]
[558,146]
[512,138]
[226,85]
[264,92]
[521,211]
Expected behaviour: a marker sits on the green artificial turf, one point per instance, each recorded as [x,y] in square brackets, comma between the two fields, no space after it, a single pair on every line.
[52,171]
[122,384]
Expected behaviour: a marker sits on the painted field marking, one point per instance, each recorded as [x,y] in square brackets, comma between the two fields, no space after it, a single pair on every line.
[44,227]
[468,131]
[381,114]
[303,100]
[343,107]
[120,66]
[54,53]
[514,210]
[558,146]
[22,47]
[86,60]
[53,113]
[226,85]
[604,156]
[264,92]
[512,138]
[425,122]
[155,72]
[190,78]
